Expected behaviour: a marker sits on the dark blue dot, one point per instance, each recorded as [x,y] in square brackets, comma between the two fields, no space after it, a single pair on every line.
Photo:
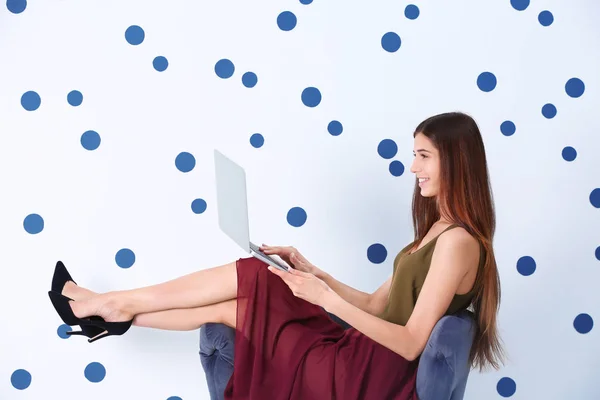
[224,68]
[286,21]
[198,206]
[549,111]
[387,148]
[311,97]
[174,398]
[377,253]
[185,162]
[545,18]
[411,11]
[306,1]
[160,63]
[583,323]
[519,5]
[595,197]
[95,372]
[134,35]
[486,81]
[31,100]
[249,79]
[75,98]
[506,387]
[33,224]
[396,168]
[597,253]
[16,6]
[575,87]
[569,153]
[391,42]
[508,128]
[335,128]
[62,331]
[526,265]
[90,140]
[125,258]
[257,140]
[296,216]
[20,379]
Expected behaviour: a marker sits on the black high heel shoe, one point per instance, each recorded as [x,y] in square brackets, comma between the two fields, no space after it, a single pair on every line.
[60,278]
[93,327]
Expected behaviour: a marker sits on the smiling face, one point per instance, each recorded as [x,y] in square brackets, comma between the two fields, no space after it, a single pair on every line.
[426,166]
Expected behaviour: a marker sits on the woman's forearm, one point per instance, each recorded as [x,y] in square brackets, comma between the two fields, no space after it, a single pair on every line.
[353,296]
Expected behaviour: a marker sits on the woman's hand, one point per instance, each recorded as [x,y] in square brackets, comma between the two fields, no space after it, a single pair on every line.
[305,286]
[285,252]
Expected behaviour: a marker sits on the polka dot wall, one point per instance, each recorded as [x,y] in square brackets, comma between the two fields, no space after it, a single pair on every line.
[110,115]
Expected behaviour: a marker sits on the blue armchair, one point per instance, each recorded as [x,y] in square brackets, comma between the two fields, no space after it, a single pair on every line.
[443,366]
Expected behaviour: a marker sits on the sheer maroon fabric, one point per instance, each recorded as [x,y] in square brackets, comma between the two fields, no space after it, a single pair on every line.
[289,348]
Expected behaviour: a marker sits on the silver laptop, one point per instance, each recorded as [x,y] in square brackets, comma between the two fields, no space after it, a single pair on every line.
[232,207]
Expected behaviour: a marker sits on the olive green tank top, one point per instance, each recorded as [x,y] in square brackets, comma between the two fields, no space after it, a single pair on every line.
[410,270]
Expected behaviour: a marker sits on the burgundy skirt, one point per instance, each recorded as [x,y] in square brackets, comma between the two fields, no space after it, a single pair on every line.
[288,348]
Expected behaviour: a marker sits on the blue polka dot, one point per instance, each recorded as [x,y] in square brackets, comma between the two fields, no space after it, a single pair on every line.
[33,224]
[20,379]
[198,206]
[16,6]
[311,97]
[306,1]
[90,140]
[257,140]
[583,323]
[31,100]
[595,197]
[185,162]
[249,79]
[597,253]
[296,216]
[506,387]
[376,253]
[549,111]
[75,98]
[411,11]
[286,21]
[569,153]
[526,265]
[545,18]
[62,331]
[508,128]
[160,63]
[125,258]
[391,42]
[95,372]
[575,87]
[519,5]
[335,128]
[224,68]
[486,81]
[396,168]
[174,398]
[134,35]
[387,148]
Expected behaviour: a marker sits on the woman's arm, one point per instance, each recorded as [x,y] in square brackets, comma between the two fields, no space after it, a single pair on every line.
[358,299]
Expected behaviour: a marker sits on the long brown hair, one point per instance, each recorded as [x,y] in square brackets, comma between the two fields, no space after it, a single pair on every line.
[465,196]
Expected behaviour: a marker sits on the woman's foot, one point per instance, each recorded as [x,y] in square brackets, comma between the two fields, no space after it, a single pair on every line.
[105,305]
[77,292]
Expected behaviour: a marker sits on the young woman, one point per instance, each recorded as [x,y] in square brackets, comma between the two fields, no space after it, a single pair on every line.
[286,345]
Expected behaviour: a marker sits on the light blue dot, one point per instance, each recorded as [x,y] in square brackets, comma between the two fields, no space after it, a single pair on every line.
[583,323]
[125,258]
[249,79]
[311,97]
[90,140]
[296,217]
[95,372]
[20,379]
[569,153]
[305,2]
[411,11]
[597,253]
[526,265]
[574,87]
[396,168]
[185,162]
[595,197]
[33,224]
[508,128]
[549,111]
[16,6]
[519,5]
[506,387]
[160,63]
[335,128]
[75,98]
[62,331]
[286,21]
[387,148]
[31,100]
[198,206]
[134,35]
[546,18]
[257,140]
[376,253]
[391,42]
[486,81]
[224,68]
